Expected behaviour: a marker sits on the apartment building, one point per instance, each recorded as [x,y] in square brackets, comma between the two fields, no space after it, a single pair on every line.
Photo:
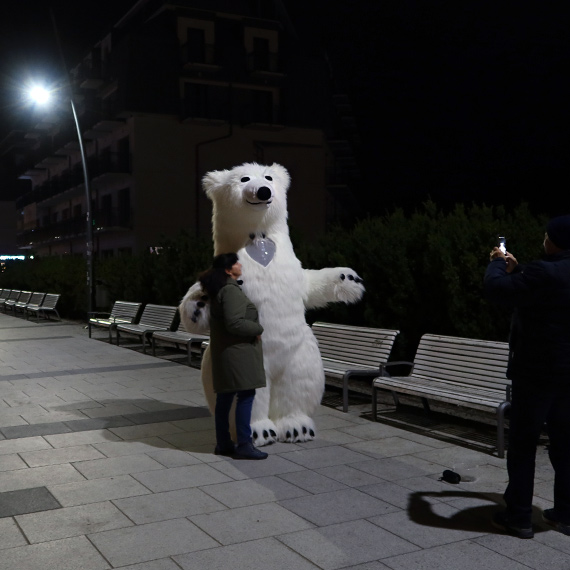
[173,90]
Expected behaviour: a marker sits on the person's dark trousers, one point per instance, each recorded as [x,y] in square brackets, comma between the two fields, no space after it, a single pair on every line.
[534,403]
[244,404]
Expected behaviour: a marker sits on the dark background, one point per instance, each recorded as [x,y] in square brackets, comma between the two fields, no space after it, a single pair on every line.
[458,101]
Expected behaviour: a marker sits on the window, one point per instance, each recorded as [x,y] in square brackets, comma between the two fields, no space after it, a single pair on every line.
[206,101]
[195,46]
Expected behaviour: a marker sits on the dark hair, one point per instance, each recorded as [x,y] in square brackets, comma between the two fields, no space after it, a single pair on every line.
[213,279]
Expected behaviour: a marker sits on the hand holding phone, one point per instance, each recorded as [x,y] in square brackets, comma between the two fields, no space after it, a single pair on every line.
[503,244]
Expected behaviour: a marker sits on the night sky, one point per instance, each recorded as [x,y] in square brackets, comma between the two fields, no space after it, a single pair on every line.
[458,101]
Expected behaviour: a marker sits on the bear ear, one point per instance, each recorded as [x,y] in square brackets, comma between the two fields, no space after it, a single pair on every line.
[282,175]
[213,180]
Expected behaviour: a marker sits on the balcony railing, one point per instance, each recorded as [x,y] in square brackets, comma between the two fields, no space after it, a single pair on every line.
[204,55]
[115,218]
[264,62]
[111,162]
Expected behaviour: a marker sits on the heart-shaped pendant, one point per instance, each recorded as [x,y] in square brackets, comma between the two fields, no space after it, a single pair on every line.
[261,249]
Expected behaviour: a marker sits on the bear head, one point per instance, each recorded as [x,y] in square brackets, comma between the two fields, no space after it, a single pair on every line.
[248,198]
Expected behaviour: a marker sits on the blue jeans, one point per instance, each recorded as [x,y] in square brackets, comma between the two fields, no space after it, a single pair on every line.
[533,405]
[243,416]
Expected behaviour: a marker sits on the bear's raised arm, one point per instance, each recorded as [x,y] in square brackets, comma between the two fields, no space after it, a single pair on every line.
[332,285]
[195,310]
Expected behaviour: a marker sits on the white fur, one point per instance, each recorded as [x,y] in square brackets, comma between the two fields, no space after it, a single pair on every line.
[281,291]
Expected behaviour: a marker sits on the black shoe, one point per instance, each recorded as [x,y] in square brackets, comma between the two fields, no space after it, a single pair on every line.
[249,451]
[501,520]
[227,449]
[549,517]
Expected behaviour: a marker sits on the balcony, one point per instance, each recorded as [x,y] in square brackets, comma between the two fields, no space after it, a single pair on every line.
[264,63]
[116,219]
[202,56]
[106,163]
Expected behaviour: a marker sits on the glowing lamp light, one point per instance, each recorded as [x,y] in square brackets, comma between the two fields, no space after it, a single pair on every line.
[39,94]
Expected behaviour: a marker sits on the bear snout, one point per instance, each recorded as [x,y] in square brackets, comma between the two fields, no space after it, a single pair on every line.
[264,193]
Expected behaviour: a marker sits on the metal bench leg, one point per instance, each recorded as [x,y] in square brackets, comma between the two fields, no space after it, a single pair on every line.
[89,328]
[426,404]
[501,428]
[395,398]
[374,404]
[153,343]
[189,349]
[345,393]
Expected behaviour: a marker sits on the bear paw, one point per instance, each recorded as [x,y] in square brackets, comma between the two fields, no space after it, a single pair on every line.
[263,432]
[295,429]
[349,287]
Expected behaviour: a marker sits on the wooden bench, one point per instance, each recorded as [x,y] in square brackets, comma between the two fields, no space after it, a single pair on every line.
[460,371]
[121,312]
[180,338]
[352,354]
[47,307]
[153,318]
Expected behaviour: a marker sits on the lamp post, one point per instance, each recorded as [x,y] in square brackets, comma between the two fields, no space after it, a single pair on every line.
[42,96]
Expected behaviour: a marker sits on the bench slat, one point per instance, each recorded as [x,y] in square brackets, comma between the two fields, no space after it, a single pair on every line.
[461,371]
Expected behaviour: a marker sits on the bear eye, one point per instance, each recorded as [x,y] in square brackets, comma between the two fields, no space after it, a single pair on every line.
[245,179]
[268,178]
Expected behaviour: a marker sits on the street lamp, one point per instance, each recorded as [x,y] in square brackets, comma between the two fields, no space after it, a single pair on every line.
[42,96]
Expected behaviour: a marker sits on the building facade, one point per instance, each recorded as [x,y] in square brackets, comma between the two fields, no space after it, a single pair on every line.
[173,91]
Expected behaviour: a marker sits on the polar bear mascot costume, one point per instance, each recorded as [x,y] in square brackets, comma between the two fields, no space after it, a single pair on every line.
[250,218]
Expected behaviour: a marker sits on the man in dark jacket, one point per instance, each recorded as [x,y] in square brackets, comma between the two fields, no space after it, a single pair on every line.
[539,367]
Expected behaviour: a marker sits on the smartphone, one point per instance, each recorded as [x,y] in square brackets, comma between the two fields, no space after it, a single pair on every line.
[503,244]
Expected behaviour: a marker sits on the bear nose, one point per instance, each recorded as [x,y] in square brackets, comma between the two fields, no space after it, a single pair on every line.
[264,193]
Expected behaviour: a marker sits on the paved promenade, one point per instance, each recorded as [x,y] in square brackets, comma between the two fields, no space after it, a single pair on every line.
[106,462]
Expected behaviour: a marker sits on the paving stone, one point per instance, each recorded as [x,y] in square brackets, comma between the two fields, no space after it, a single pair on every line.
[97,490]
[9,446]
[338,506]
[388,447]
[428,525]
[252,492]
[265,554]
[27,501]
[61,455]
[11,463]
[71,521]
[325,457]
[99,423]
[391,469]
[130,447]
[168,505]
[527,552]
[273,465]
[98,468]
[38,477]
[250,523]
[81,438]
[145,431]
[313,482]
[465,555]
[180,478]
[327,437]
[347,544]
[151,541]
[349,476]
[67,554]
[173,457]
[189,441]
[329,421]
[10,534]
[162,564]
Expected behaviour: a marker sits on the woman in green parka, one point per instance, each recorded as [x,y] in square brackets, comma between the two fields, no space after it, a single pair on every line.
[236,354]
